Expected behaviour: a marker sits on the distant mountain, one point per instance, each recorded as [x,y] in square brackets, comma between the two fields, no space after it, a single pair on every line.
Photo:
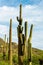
[37,52]
[15,48]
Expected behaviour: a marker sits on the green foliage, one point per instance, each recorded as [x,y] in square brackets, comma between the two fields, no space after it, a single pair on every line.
[7,57]
[3,63]
[15,59]
[1,55]
[35,60]
[25,61]
[36,55]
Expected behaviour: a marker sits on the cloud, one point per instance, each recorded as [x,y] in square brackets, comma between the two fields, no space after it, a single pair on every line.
[3,29]
[8,12]
[30,13]
[33,14]
[37,38]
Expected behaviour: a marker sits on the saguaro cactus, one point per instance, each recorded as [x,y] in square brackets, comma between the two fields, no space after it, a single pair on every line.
[26,37]
[7,46]
[20,38]
[7,40]
[24,44]
[10,43]
[29,47]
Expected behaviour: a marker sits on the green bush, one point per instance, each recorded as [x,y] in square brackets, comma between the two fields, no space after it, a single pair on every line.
[15,59]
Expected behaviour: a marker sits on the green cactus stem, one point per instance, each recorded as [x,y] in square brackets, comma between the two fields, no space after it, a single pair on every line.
[30,47]
[10,43]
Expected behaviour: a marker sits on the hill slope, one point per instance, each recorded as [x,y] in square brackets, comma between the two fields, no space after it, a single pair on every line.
[15,48]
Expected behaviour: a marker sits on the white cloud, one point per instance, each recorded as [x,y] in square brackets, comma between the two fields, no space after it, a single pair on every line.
[33,15]
[3,29]
[8,12]
[30,13]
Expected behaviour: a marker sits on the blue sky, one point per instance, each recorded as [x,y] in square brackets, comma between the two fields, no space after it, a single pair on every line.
[17,2]
[32,12]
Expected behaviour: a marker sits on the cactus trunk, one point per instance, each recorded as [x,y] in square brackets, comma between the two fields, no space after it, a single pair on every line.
[26,33]
[24,44]
[26,30]
[10,43]
[20,39]
[30,47]
[7,46]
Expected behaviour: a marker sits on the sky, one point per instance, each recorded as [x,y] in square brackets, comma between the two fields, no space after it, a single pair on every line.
[32,12]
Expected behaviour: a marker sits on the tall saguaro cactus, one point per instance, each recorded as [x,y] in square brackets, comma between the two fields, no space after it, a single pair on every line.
[7,45]
[24,44]
[20,38]
[5,42]
[30,47]
[10,43]
[26,37]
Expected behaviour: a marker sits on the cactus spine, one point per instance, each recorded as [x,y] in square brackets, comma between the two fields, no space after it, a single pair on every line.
[10,43]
